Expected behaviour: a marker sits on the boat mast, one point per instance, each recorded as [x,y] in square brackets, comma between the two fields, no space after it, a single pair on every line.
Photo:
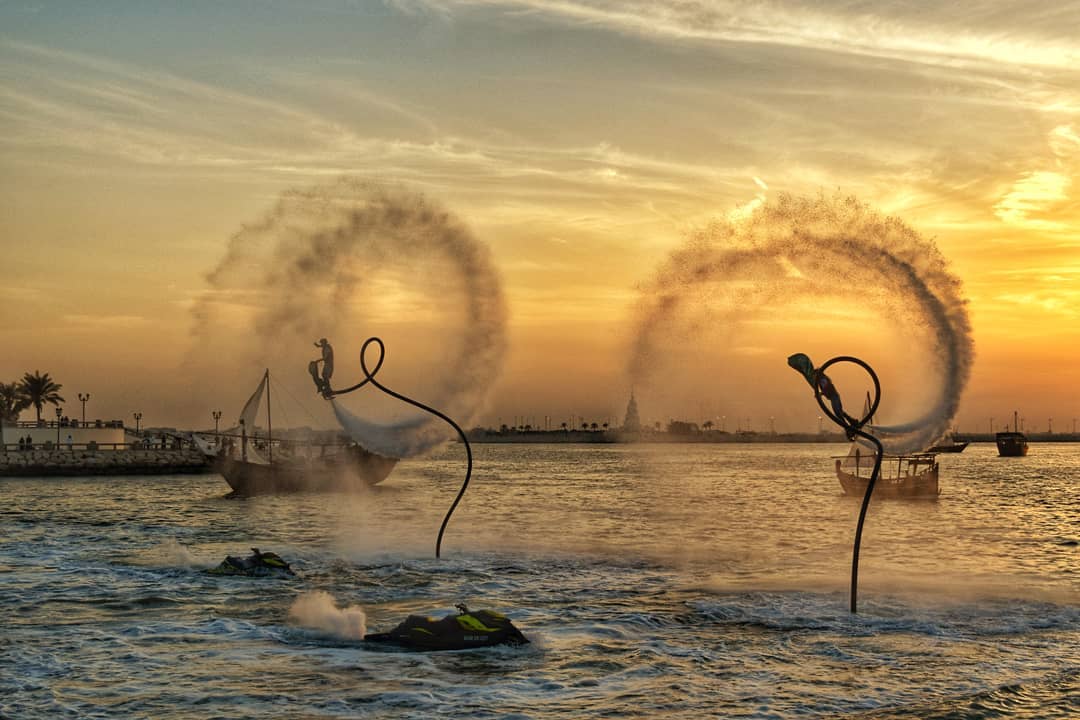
[269,427]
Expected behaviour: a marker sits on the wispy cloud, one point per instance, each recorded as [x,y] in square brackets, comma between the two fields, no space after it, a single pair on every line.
[74,101]
[1053,303]
[12,294]
[1051,272]
[90,322]
[1038,192]
[905,31]
[1034,192]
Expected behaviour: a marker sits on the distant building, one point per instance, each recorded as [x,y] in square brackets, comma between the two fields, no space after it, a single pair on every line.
[632,422]
[678,427]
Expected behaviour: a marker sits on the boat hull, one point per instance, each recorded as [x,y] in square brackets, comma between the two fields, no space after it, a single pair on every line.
[954,447]
[1012,444]
[922,485]
[351,470]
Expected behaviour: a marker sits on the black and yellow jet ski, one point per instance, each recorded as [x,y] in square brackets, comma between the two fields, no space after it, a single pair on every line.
[463,631]
[258,564]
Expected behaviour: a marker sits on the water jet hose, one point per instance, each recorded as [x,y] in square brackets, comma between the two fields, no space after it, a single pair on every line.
[853,429]
[369,376]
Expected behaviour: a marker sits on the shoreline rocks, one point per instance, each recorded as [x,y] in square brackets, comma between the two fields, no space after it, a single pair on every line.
[35,463]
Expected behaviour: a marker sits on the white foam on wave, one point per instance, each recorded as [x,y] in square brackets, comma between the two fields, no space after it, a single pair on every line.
[319,611]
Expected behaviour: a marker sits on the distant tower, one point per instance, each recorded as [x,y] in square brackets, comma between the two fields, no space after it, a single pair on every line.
[631,422]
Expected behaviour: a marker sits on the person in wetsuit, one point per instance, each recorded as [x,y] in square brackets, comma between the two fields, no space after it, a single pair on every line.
[819,381]
[322,383]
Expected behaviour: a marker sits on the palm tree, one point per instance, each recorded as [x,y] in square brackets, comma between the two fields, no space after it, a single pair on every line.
[40,389]
[708,425]
[12,402]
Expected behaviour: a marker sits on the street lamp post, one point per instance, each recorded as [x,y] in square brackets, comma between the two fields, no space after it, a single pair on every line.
[138,417]
[723,423]
[820,429]
[59,412]
[217,416]
[83,399]
[772,425]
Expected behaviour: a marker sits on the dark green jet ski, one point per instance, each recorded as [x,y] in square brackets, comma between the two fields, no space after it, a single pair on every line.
[463,631]
[258,564]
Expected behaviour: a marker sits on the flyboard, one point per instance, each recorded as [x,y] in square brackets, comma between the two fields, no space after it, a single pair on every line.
[853,428]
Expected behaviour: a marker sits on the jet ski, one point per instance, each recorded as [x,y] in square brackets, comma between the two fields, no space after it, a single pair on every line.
[258,564]
[463,631]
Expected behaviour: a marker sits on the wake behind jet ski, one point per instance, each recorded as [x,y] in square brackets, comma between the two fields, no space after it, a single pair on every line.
[258,564]
[463,631]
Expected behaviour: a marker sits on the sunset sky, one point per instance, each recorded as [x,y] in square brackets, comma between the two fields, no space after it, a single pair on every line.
[581,140]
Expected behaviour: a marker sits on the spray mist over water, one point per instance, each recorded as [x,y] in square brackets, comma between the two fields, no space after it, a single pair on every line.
[404,438]
[816,250]
[352,259]
[318,611]
[169,553]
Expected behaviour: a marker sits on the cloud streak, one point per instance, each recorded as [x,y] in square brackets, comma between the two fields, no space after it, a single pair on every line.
[1037,193]
[901,31]
[101,107]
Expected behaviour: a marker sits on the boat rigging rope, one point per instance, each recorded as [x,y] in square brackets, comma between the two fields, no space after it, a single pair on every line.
[853,428]
[369,377]
[279,387]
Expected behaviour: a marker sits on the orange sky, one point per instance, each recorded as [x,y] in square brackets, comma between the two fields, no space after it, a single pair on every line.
[581,141]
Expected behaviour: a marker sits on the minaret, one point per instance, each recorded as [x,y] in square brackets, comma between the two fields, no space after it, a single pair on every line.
[631,423]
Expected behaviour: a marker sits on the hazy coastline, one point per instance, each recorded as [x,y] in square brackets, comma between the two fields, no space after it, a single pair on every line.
[487,435]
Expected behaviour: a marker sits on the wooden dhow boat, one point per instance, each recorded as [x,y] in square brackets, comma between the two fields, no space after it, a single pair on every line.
[1012,443]
[902,476]
[262,465]
[952,445]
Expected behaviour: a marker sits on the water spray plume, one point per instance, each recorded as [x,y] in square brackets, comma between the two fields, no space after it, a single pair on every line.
[369,377]
[823,249]
[319,611]
[335,260]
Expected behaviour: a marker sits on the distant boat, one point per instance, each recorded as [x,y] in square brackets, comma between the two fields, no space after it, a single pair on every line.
[952,446]
[902,476]
[263,465]
[1012,443]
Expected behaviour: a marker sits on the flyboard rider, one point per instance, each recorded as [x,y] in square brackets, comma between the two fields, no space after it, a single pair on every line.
[322,384]
[819,381]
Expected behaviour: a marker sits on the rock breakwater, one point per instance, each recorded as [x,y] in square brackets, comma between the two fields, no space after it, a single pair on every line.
[32,463]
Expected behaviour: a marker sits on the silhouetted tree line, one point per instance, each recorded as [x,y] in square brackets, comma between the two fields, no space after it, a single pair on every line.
[33,390]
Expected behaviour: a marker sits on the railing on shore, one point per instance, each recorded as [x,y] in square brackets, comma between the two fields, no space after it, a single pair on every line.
[167,443]
[31,424]
[96,446]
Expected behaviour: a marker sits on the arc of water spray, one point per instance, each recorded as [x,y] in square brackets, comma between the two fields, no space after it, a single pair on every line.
[369,377]
[854,429]
[793,248]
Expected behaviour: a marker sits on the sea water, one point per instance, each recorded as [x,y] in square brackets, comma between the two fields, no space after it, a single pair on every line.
[659,581]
